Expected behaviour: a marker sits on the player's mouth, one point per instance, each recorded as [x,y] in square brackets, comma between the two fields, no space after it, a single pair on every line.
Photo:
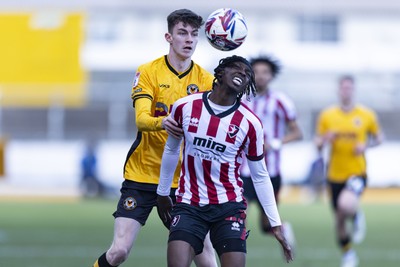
[237,81]
[188,48]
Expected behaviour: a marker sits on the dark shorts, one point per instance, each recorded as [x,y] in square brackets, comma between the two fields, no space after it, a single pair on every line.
[137,201]
[225,222]
[356,184]
[250,192]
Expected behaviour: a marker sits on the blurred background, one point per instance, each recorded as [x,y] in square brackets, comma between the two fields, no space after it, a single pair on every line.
[67,68]
[66,72]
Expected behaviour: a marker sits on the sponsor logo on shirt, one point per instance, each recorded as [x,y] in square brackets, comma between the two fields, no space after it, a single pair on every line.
[164,85]
[209,143]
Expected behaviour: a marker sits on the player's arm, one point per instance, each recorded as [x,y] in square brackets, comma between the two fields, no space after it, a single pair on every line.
[143,100]
[375,137]
[146,122]
[324,135]
[172,127]
[169,162]
[293,132]
[144,119]
[265,193]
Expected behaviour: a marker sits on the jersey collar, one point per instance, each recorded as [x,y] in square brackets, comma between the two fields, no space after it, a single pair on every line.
[180,76]
[222,114]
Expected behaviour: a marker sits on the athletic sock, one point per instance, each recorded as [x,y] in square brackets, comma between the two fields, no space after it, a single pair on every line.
[102,262]
[345,244]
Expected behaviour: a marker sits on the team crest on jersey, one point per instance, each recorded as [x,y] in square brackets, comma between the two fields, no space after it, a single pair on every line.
[130,203]
[175,220]
[233,130]
[136,80]
[192,88]
[357,122]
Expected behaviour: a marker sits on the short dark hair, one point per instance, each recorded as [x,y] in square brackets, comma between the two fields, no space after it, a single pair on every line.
[273,63]
[346,77]
[186,16]
[228,61]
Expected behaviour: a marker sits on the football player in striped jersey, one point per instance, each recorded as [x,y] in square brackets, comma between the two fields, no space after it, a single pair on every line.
[278,114]
[218,131]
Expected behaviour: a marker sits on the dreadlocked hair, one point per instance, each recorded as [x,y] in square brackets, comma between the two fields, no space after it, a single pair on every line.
[228,61]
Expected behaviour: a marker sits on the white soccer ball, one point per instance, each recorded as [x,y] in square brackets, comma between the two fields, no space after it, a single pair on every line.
[226,29]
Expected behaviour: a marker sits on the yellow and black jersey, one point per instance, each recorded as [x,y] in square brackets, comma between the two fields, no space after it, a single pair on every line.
[349,129]
[157,85]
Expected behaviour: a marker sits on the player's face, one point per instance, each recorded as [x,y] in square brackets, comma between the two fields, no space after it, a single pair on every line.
[263,76]
[183,40]
[346,91]
[236,77]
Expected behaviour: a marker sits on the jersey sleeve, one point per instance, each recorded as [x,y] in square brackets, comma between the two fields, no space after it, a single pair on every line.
[144,120]
[288,107]
[255,145]
[264,190]
[169,162]
[142,86]
[374,128]
[321,127]
[142,97]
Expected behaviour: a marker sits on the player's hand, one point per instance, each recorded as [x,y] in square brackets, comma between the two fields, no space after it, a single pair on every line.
[164,206]
[275,144]
[359,149]
[172,127]
[329,137]
[287,250]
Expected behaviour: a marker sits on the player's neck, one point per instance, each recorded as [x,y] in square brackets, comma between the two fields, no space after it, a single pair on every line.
[347,107]
[179,64]
[222,98]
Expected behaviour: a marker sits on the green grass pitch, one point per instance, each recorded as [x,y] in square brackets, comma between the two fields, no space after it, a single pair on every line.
[75,233]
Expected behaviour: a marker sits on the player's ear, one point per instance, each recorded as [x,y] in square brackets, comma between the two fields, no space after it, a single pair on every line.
[168,37]
[219,74]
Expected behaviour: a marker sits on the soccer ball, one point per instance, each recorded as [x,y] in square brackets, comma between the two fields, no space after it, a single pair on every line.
[226,29]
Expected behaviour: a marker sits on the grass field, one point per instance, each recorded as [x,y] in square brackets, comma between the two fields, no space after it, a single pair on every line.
[74,233]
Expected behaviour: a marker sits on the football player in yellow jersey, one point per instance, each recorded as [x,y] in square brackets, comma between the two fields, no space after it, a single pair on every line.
[157,85]
[349,129]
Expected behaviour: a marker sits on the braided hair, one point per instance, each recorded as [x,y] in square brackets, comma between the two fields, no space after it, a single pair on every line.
[228,61]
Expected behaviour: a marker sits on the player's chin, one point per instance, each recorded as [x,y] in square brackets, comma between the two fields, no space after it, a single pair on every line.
[187,52]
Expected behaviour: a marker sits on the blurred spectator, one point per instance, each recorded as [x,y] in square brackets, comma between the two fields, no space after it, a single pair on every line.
[2,159]
[315,180]
[90,184]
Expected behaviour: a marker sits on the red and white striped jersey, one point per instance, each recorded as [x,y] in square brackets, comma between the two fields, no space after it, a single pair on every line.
[275,110]
[213,148]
